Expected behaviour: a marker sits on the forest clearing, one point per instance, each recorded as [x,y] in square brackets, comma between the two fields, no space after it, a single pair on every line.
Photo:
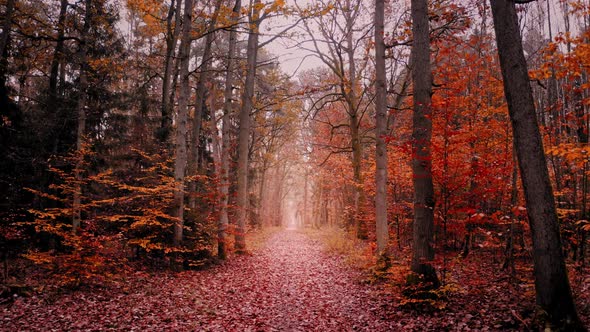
[294,165]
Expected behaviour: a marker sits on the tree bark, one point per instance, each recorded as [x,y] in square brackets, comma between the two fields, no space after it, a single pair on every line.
[421,141]
[180,160]
[382,230]
[6,27]
[199,101]
[244,130]
[350,92]
[305,195]
[225,132]
[58,53]
[551,282]
[83,86]
[171,41]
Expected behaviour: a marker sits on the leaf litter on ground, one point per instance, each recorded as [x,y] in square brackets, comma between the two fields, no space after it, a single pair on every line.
[289,284]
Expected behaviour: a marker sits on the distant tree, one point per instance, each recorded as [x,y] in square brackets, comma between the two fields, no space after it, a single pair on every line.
[347,64]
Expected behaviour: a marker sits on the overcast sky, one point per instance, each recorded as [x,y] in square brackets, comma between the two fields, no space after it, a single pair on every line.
[294,60]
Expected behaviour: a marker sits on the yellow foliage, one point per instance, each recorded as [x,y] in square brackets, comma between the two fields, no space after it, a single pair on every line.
[574,153]
[147,244]
[275,7]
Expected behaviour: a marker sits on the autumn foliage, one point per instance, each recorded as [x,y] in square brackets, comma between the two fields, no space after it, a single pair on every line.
[124,151]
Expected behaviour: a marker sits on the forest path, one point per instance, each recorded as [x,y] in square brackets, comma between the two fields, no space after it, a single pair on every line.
[290,284]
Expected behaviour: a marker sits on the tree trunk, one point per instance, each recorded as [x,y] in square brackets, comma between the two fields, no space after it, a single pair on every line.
[566,20]
[171,41]
[215,142]
[244,130]
[582,133]
[350,91]
[180,160]
[361,228]
[199,101]
[58,53]
[421,140]
[554,109]
[225,132]
[83,86]
[509,259]
[382,231]
[6,27]
[305,194]
[261,195]
[551,282]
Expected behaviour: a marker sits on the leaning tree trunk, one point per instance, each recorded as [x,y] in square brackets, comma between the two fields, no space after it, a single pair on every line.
[421,141]
[553,290]
[244,130]
[225,132]
[382,231]
[181,123]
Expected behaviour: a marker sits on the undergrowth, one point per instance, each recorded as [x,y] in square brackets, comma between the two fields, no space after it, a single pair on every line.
[393,273]
[336,241]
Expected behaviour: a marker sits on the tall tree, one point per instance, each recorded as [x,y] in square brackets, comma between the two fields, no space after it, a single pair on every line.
[382,231]
[180,161]
[225,132]
[421,142]
[245,124]
[199,104]
[4,40]
[351,12]
[172,33]
[553,290]
[58,52]
[82,99]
